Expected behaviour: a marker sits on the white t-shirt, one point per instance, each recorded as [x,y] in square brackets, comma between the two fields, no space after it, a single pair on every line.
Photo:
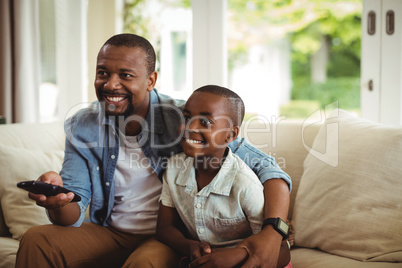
[137,190]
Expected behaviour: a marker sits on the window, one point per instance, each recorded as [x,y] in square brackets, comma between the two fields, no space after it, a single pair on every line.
[168,26]
[294,57]
[63,57]
[48,90]
[285,57]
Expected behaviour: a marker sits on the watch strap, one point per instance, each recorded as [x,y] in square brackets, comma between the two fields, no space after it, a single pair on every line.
[279,225]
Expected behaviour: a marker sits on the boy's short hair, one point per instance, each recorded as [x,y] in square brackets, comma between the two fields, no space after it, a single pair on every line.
[235,105]
[132,40]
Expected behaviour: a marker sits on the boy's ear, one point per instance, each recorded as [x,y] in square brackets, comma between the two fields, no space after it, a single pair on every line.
[234,132]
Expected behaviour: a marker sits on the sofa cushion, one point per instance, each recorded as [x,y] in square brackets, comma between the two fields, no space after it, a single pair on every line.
[16,164]
[313,258]
[349,201]
[284,140]
[8,251]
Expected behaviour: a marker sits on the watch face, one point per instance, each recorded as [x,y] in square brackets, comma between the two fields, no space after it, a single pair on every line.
[283,227]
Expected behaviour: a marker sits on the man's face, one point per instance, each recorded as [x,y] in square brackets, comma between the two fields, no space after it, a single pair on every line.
[207,128]
[122,81]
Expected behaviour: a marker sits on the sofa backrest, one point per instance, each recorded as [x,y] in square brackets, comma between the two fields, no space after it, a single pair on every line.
[288,142]
[41,137]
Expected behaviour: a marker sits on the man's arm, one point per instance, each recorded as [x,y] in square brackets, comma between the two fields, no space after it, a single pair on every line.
[263,165]
[74,175]
[60,209]
[264,247]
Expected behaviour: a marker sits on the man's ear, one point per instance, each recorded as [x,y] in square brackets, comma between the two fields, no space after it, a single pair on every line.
[234,132]
[152,80]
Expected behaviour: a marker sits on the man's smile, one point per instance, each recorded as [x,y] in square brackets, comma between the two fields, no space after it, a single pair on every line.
[114,99]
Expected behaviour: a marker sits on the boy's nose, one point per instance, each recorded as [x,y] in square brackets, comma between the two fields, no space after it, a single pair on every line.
[193,125]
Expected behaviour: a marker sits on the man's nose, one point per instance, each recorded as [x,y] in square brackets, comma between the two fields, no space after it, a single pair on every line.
[113,82]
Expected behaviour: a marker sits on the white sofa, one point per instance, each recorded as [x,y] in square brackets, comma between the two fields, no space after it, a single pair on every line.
[346,202]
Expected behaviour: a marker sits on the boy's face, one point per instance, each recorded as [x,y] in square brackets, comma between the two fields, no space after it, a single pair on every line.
[208,128]
[122,81]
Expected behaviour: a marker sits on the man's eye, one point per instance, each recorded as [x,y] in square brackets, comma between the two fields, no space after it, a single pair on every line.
[101,73]
[124,75]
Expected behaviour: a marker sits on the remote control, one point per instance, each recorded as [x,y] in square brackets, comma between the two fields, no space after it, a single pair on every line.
[38,187]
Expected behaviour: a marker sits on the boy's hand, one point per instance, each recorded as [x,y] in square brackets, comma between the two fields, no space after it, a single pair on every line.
[199,249]
[222,258]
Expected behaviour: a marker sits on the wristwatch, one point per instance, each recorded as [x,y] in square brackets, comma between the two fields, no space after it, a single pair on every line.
[279,225]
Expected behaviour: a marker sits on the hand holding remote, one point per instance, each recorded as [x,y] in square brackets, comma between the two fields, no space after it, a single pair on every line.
[48,192]
[46,189]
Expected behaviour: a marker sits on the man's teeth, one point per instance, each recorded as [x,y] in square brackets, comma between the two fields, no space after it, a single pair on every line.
[193,141]
[115,99]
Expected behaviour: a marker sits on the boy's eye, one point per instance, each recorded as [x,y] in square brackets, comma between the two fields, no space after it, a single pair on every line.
[186,118]
[205,121]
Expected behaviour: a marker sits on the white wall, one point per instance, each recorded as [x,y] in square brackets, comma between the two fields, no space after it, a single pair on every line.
[104,21]
[209,42]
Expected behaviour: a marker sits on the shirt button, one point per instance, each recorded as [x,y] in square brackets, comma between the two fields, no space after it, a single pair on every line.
[107,183]
[113,156]
[97,168]
[201,230]
[198,205]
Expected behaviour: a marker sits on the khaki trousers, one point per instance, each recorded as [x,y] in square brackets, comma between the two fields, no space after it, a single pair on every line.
[91,245]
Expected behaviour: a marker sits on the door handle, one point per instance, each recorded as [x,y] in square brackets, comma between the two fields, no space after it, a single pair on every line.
[390,22]
[371,23]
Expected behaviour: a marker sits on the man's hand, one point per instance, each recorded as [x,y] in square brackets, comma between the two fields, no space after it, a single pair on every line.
[51,202]
[60,208]
[263,248]
[222,258]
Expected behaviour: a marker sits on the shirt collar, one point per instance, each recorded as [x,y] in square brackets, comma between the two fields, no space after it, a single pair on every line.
[221,184]
[154,117]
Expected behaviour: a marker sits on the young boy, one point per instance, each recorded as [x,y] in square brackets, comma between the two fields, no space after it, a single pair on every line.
[209,189]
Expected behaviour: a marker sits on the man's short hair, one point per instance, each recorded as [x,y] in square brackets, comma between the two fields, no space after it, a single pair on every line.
[234,105]
[132,40]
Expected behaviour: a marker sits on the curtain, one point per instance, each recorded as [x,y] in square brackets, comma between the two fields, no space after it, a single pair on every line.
[20,61]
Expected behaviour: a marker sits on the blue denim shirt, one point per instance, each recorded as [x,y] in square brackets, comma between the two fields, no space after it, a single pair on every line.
[92,148]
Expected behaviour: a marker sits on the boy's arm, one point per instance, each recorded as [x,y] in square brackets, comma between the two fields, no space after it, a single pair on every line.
[168,231]
[170,226]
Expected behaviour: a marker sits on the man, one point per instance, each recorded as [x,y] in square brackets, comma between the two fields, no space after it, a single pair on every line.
[115,155]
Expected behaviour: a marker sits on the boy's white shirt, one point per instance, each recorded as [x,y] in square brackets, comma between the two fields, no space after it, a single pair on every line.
[223,213]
